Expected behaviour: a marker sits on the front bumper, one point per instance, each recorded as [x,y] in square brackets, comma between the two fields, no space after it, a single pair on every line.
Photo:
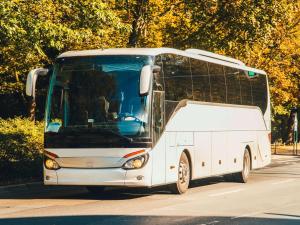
[102,177]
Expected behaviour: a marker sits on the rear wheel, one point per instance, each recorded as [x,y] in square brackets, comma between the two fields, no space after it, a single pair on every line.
[184,176]
[244,174]
[95,189]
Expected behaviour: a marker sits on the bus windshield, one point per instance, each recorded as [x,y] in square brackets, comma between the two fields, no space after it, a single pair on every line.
[98,94]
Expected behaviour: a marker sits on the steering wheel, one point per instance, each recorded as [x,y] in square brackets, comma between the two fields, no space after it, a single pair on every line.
[126,115]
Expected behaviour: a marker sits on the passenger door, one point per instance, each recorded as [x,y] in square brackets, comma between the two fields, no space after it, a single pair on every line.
[159,140]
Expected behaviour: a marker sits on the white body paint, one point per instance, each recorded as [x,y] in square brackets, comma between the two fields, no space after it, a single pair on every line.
[215,136]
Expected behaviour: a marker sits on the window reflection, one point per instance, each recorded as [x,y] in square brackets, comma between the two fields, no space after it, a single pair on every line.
[194,79]
[100,92]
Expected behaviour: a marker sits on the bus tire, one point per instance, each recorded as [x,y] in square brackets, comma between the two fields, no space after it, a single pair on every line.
[184,176]
[243,176]
[95,189]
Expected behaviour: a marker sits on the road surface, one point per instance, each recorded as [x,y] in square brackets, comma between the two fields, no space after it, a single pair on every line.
[272,196]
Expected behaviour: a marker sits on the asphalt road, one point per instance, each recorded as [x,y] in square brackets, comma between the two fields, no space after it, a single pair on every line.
[272,196]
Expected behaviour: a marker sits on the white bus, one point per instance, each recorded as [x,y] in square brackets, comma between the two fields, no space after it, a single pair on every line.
[145,117]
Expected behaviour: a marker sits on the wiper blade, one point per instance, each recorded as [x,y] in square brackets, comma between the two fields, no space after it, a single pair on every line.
[77,130]
[117,134]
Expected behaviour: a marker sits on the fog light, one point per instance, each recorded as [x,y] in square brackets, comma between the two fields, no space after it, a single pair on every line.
[140,177]
[50,164]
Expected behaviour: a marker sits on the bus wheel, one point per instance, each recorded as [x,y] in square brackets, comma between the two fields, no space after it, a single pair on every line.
[95,189]
[184,176]
[244,174]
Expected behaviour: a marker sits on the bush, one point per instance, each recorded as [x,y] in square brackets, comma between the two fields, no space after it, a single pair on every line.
[21,145]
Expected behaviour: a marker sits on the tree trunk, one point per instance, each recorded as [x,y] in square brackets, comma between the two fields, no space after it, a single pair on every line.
[139,20]
[31,109]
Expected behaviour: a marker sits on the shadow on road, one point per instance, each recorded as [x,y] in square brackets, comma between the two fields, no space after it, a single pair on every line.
[71,192]
[143,220]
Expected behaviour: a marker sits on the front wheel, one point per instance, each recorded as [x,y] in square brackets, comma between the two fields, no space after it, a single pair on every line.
[244,174]
[184,176]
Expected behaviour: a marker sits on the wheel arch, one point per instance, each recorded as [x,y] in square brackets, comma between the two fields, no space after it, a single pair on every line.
[249,150]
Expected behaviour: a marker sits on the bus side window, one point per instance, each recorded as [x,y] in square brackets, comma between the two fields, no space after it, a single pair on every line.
[158,82]
[183,79]
[169,71]
[158,114]
[201,80]
[259,91]
[177,76]
[168,61]
[246,94]
[233,86]
[218,83]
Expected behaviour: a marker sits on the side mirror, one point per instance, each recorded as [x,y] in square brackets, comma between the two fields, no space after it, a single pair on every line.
[31,80]
[145,78]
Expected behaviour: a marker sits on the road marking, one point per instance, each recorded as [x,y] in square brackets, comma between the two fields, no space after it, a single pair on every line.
[286,161]
[213,222]
[247,215]
[263,211]
[210,223]
[226,192]
[283,181]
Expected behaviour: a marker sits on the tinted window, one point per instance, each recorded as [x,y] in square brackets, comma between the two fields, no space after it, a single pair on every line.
[158,82]
[92,94]
[259,91]
[218,83]
[183,78]
[169,71]
[245,88]
[233,85]
[177,77]
[201,80]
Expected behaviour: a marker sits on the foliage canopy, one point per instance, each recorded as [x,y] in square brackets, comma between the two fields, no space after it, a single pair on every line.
[264,34]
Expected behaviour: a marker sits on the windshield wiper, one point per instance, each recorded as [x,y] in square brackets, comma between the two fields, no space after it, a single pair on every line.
[118,135]
[78,130]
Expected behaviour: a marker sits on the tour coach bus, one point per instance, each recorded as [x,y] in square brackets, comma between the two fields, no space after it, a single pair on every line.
[144,117]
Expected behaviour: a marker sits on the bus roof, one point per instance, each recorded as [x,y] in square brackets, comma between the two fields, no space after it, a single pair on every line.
[192,53]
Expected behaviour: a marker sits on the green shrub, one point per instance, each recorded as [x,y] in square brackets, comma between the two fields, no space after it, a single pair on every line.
[21,145]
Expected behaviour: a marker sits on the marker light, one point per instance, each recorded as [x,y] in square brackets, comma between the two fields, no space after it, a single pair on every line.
[133,153]
[50,154]
[137,162]
[50,164]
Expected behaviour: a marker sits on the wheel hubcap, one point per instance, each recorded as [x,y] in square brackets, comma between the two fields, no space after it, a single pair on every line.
[184,174]
[246,165]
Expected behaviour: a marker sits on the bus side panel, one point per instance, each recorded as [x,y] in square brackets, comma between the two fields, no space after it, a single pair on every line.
[235,151]
[264,147]
[202,162]
[219,153]
[159,161]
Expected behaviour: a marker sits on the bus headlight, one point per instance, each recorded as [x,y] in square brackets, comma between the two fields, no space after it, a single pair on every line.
[137,162]
[50,164]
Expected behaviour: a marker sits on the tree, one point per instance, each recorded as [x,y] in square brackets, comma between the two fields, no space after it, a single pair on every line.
[262,33]
[34,32]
